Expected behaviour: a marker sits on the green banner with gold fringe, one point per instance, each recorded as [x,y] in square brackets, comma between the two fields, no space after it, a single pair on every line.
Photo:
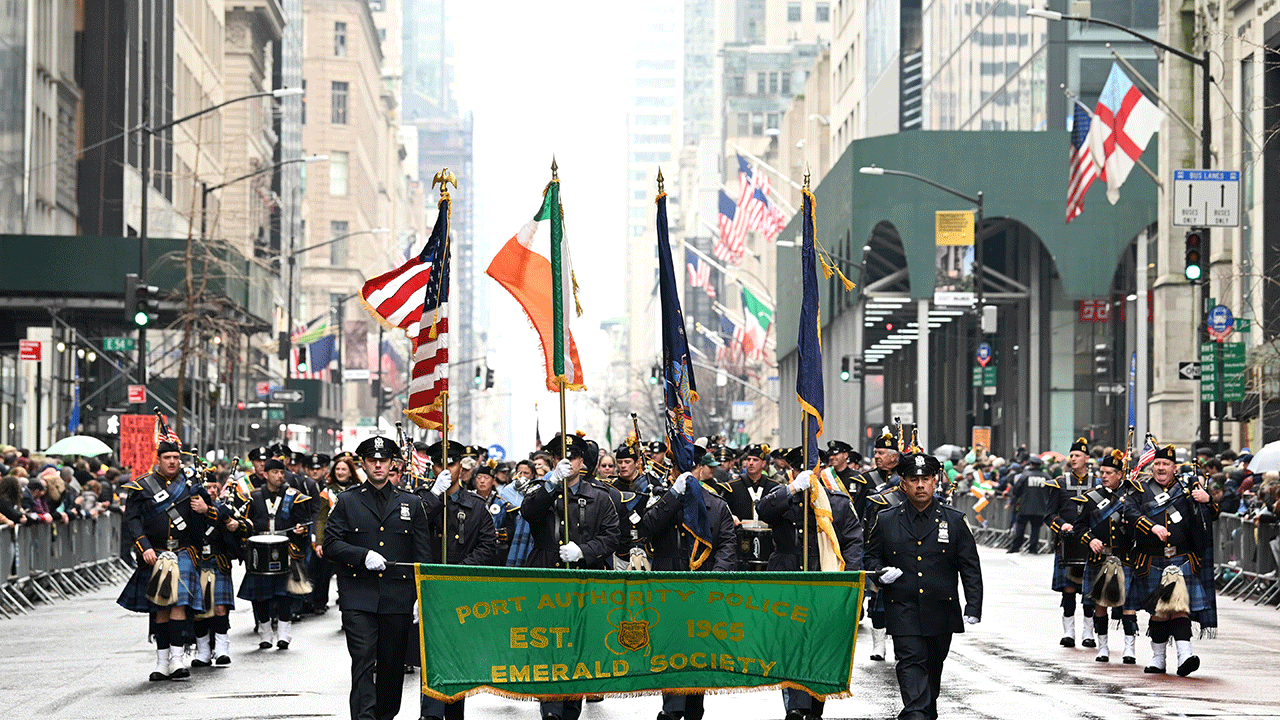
[555,634]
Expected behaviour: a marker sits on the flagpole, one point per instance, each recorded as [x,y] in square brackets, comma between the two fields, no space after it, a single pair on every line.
[564,454]
[444,463]
[804,555]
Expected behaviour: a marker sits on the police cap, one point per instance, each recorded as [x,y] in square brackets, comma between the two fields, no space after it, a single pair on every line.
[378,448]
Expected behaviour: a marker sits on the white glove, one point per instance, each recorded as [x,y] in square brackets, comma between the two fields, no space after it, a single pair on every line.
[570,552]
[442,483]
[801,483]
[681,484]
[888,575]
[415,612]
[970,620]
[561,472]
[374,561]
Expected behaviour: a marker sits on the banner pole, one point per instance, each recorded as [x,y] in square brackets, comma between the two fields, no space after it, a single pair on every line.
[804,554]
[444,463]
[564,454]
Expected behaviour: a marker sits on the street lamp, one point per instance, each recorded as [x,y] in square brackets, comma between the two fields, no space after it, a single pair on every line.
[206,189]
[922,309]
[145,172]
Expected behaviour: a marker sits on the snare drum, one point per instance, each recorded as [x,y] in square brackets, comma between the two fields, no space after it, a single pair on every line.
[1074,557]
[267,555]
[755,545]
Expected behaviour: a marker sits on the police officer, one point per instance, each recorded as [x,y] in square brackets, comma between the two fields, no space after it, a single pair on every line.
[1172,520]
[593,534]
[166,512]
[628,506]
[373,536]
[921,550]
[1033,495]
[676,548]
[342,475]
[1071,551]
[276,508]
[844,461]
[502,510]
[753,485]
[885,492]
[471,538]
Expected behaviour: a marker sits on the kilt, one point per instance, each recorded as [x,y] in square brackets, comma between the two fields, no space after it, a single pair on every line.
[223,586]
[256,588]
[134,595]
[1200,593]
[1091,575]
[1060,580]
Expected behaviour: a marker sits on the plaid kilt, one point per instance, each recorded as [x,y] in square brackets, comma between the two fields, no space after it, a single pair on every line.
[256,588]
[1060,580]
[223,586]
[134,595]
[1200,593]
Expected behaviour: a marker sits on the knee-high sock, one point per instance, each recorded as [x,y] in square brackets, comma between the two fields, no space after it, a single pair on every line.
[1159,630]
[1068,604]
[220,624]
[1180,628]
[1130,624]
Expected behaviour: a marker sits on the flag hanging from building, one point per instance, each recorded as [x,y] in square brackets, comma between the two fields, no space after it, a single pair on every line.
[729,349]
[699,273]
[1123,124]
[1083,171]
[762,214]
[543,287]
[758,318]
[429,379]
[733,231]
[809,389]
[312,331]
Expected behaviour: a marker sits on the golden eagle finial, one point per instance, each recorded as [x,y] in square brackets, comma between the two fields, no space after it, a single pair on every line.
[443,178]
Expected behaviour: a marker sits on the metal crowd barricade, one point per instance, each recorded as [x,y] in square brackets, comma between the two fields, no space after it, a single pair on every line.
[45,562]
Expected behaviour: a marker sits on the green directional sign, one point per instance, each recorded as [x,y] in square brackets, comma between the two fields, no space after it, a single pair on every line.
[985,376]
[1230,388]
[1243,325]
[119,344]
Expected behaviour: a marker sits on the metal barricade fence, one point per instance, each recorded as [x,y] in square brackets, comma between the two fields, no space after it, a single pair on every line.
[45,562]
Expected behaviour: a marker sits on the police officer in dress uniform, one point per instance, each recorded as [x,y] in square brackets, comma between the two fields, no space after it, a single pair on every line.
[844,461]
[342,475]
[276,508]
[257,458]
[373,535]
[223,537]
[166,512]
[783,508]
[1095,516]
[885,493]
[502,510]
[1033,495]
[1072,551]
[922,549]
[674,548]
[472,540]
[628,506]
[593,530]
[1172,520]
[753,485]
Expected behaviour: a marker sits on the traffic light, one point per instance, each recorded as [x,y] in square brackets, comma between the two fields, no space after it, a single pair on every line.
[655,372]
[479,376]
[139,301]
[302,358]
[1102,361]
[488,378]
[388,394]
[1194,254]
[282,345]
[844,369]
[859,369]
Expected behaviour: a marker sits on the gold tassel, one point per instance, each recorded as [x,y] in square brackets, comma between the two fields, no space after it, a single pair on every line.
[848,284]
[827,270]
[574,277]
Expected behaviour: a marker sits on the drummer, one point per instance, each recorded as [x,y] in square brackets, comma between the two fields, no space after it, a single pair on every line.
[222,543]
[274,510]
[747,490]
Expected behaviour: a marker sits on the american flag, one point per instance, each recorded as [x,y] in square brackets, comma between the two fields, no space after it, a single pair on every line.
[311,373]
[164,433]
[699,273]
[733,231]
[729,351]
[396,298]
[1148,454]
[762,214]
[420,463]
[1083,169]
[429,385]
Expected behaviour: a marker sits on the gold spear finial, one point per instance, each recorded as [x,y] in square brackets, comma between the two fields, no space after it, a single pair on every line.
[806,176]
[555,169]
[660,180]
[443,178]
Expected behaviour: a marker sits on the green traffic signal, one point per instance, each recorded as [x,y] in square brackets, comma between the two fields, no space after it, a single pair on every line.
[141,319]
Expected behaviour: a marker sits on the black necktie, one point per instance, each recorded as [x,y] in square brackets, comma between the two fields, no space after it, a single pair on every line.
[380,499]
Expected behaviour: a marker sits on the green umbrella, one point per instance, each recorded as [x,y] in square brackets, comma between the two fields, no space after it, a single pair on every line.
[83,445]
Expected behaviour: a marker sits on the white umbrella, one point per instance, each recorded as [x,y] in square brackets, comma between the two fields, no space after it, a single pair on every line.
[1267,459]
[944,452]
[83,445]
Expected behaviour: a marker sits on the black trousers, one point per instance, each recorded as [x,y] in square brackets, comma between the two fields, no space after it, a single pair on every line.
[376,644]
[690,706]
[433,708]
[563,709]
[1021,528]
[801,700]
[321,574]
[920,673]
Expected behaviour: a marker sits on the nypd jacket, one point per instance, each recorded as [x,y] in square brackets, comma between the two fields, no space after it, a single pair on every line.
[400,533]
[934,563]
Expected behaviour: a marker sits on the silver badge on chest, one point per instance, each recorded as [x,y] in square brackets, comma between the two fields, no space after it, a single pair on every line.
[944,532]
[404,511]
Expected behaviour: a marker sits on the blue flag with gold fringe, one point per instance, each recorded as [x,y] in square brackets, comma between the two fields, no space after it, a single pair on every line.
[809,377]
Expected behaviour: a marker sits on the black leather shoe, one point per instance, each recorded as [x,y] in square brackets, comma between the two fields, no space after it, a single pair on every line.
[179,674]
[223,660]
[1153,670]
[196,662]
[877,658]
[1130,660]
[264,645]
[157,676]
[1089,643]
[1102,658]
[1067,642]
[1189,666]
[283,644]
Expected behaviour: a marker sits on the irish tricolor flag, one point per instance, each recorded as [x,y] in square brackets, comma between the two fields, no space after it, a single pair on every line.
[758,317]
[544,288]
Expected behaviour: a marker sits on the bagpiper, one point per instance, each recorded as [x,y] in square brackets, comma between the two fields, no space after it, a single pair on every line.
[223,537]
[1071,552]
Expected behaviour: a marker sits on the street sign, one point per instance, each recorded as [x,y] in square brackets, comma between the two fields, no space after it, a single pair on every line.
[985,377]
[1220,322]
[1189,370]
[1233,366]
[263,389]
[119,344]
[29,350]
[904,411]
[1243,325]
[355,374]
[953,227]
[288,396]
[1111,388]
[984,354]
[1206,198]
[943,298]
[137,394]
[497,452]
[743,410]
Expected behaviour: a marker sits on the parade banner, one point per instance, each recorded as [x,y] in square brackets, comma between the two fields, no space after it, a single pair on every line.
[529,633]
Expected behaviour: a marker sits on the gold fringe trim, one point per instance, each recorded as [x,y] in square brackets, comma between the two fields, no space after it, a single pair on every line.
[788,684]
[562,381]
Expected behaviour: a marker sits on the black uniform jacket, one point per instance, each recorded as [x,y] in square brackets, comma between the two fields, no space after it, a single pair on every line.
[1097,514]
[1035,493]
[663,524]
[739,498]
[472,539]
[859,487]
[624,504]
[593,525]
[1147,505]
[877,502]
[150,525]
[400,533]
[925,600]
[782,510]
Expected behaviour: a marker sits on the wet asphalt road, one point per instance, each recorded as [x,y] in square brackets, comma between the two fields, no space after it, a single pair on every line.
[86,658]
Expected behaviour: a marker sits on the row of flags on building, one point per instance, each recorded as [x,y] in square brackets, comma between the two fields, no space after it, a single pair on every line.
[1108,142]
[752,210]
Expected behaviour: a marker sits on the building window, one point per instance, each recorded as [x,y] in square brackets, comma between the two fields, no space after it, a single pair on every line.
[793,12]
[773,83]
[822,13]
[761,82]
[757,124]
[738,85]
[338,250]
[382,34]
[338,170]
[377,5]
[772,121]
[339,96]
[786,83]
[340,39]
[744,124]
